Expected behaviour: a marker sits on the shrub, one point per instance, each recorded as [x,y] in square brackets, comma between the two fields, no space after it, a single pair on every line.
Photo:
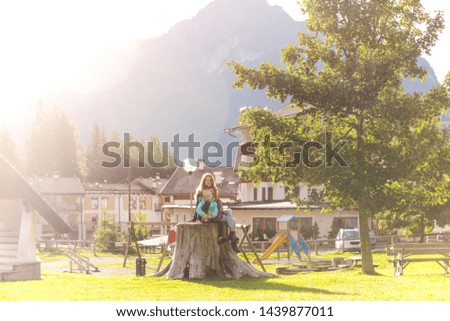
[107,233]
[311,233]
[141,231]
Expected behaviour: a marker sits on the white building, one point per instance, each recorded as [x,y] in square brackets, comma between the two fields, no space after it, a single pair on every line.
[120,203]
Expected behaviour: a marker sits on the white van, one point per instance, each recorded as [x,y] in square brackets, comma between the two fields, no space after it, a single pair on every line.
[348,239]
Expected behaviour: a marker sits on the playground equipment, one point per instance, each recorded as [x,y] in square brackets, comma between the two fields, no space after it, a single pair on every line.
[83,263]
[294,246]
[164,242]
[281,238]
[291,238]
[245,229]
[133,239]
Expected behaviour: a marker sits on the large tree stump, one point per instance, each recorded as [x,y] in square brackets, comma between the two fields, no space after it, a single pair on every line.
[198,255]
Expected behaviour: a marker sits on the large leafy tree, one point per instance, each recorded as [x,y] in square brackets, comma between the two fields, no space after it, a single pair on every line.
[421,198]
[345,78]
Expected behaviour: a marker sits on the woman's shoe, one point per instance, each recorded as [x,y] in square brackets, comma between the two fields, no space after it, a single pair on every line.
[222,239]
[234,240]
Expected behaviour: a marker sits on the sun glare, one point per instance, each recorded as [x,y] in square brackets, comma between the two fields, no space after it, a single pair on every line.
[72,45]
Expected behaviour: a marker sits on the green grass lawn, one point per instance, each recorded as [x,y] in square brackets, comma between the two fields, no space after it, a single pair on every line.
[421,281]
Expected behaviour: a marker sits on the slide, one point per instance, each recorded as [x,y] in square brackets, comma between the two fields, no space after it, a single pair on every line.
[280,239]
[304,246]
[155,241]
[294,246]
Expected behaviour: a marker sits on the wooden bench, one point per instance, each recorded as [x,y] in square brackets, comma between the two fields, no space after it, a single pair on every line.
[405,253]
[357,261]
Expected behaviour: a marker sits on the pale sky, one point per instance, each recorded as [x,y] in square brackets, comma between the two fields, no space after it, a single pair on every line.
[61,43]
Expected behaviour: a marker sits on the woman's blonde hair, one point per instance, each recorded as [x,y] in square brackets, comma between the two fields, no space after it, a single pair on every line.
[202,186]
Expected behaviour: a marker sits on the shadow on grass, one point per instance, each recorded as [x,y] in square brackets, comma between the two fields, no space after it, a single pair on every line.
[259,285]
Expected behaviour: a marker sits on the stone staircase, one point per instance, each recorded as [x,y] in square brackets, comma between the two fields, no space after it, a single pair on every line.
[8,251]
[11,269]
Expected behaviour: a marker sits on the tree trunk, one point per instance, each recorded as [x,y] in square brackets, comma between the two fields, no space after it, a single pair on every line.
[366,248]
[198,254]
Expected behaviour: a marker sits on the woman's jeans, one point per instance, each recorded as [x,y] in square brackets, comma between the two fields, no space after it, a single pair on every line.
[228,217]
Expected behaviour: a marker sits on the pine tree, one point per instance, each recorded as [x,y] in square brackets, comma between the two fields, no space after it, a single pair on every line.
[8,149]
[38,145]
[94,155]
[53,145]
[65,144]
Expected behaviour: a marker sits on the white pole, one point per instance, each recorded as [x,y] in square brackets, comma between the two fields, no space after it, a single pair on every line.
[190,189]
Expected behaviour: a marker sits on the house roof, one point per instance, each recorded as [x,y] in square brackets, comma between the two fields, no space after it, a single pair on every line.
[178,184]
[58,185]
[15,183]
[115,188]
[288,111]
[152,183]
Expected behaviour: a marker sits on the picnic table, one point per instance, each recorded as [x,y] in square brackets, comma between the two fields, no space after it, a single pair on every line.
[406,253]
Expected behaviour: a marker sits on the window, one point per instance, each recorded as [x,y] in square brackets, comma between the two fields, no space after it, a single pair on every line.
[301,222]
[270,193]
[104,202]
[94,203]
[94,221]
[263,192]
[134,201]
[255,194]
[347,222]
[305,223]
[264,228]
[142,204]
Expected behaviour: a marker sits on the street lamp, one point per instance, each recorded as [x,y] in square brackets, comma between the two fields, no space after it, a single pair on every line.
[190,166]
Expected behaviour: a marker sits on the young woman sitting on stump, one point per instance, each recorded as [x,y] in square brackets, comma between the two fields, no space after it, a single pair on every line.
[209,208]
